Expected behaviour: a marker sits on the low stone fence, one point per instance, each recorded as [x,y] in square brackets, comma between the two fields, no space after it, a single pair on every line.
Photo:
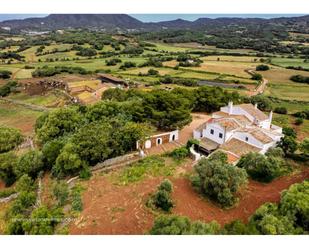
[112,163]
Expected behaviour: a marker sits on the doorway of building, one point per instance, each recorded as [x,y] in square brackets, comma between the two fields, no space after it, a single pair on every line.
[159,141]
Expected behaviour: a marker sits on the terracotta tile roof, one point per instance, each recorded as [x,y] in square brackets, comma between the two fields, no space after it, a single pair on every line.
[227,123]
[110,77]
[258,134]
[249,108]
[208,144]
[238,147]
[240,118]
[231,158]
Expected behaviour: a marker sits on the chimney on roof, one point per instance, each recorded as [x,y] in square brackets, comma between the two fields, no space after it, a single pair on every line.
[230,107]
[255,106]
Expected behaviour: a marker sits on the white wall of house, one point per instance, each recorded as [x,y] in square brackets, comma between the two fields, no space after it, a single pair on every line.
[174,135]
[197,134]
[217,130]
[250,139]
[267,146]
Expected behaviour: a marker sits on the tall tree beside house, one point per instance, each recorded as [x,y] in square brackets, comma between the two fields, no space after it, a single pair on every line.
[261,167]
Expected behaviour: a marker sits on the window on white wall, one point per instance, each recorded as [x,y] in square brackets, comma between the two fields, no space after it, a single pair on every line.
[247,139]
[220,135]
[212,131]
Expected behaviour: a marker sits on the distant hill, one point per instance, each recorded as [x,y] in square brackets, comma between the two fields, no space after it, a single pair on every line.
[63,21]
[125,22]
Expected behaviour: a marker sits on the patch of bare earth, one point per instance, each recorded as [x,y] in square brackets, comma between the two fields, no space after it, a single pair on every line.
[111,209]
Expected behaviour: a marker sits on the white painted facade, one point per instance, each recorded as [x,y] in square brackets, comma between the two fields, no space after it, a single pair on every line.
[173,136]
[266,131]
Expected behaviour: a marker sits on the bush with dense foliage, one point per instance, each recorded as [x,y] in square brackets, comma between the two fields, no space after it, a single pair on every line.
[10,138]
[281,110]
[47,71]
[263,168]
[218,179]
[161,199]
[5,74]
[181,225]
[300,79]
[8,162]
[30,163]
[262,67]
[262,102]
[179,153]
[294,204]
[7,88]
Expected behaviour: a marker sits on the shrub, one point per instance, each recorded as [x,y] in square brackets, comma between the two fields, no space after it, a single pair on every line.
[25,183]
[162,200]
[295,204]
[300,79]
[9,138]
[257,76]
[262,67]
[179,153]
[220,180]
[166,185]
[299,121]
[260,167]
[181,225]
[8,162]
[5,74]
[77,204]
[6,89]
[61,192]
[30,163]
[281,110]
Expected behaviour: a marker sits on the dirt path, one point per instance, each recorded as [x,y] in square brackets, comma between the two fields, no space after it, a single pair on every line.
[261,87]
[111,209]
[15,73]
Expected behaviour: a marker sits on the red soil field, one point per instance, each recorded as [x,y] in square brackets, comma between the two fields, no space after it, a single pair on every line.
[111,209]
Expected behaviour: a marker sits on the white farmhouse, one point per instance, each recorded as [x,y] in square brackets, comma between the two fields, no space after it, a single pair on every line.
[237,130]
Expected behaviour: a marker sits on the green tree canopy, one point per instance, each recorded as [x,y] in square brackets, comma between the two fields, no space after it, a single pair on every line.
[219,180]
[9,138]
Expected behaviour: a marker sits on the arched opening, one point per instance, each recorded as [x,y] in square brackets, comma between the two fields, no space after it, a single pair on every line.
[159,141]
[173,137]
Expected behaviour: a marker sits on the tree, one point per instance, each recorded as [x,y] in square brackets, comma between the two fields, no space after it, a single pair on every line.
[42,221]
[295,204]
[219,180]
[92,142]
[9,138]
[181,225]
[161,199]
[263,102]
[8,162]
[267,220]
[262,67]
[288,144]
[281,110]
[68,162]
[304,147]
[30,163]
[58,123]
[61,192]
[115,94]
[5,74]
[289,131]
[257,76]
[260,167]
[25,183]
[51,151]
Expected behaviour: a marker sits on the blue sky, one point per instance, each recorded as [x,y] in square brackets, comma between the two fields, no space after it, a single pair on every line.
[160,17]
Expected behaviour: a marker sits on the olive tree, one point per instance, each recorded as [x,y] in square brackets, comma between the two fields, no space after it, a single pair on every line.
[220,180]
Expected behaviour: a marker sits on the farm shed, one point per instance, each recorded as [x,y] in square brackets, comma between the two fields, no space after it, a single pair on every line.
[158,139]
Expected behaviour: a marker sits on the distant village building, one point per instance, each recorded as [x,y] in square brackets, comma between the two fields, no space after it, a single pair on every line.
[107,78]
[237,130]
[158,139]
